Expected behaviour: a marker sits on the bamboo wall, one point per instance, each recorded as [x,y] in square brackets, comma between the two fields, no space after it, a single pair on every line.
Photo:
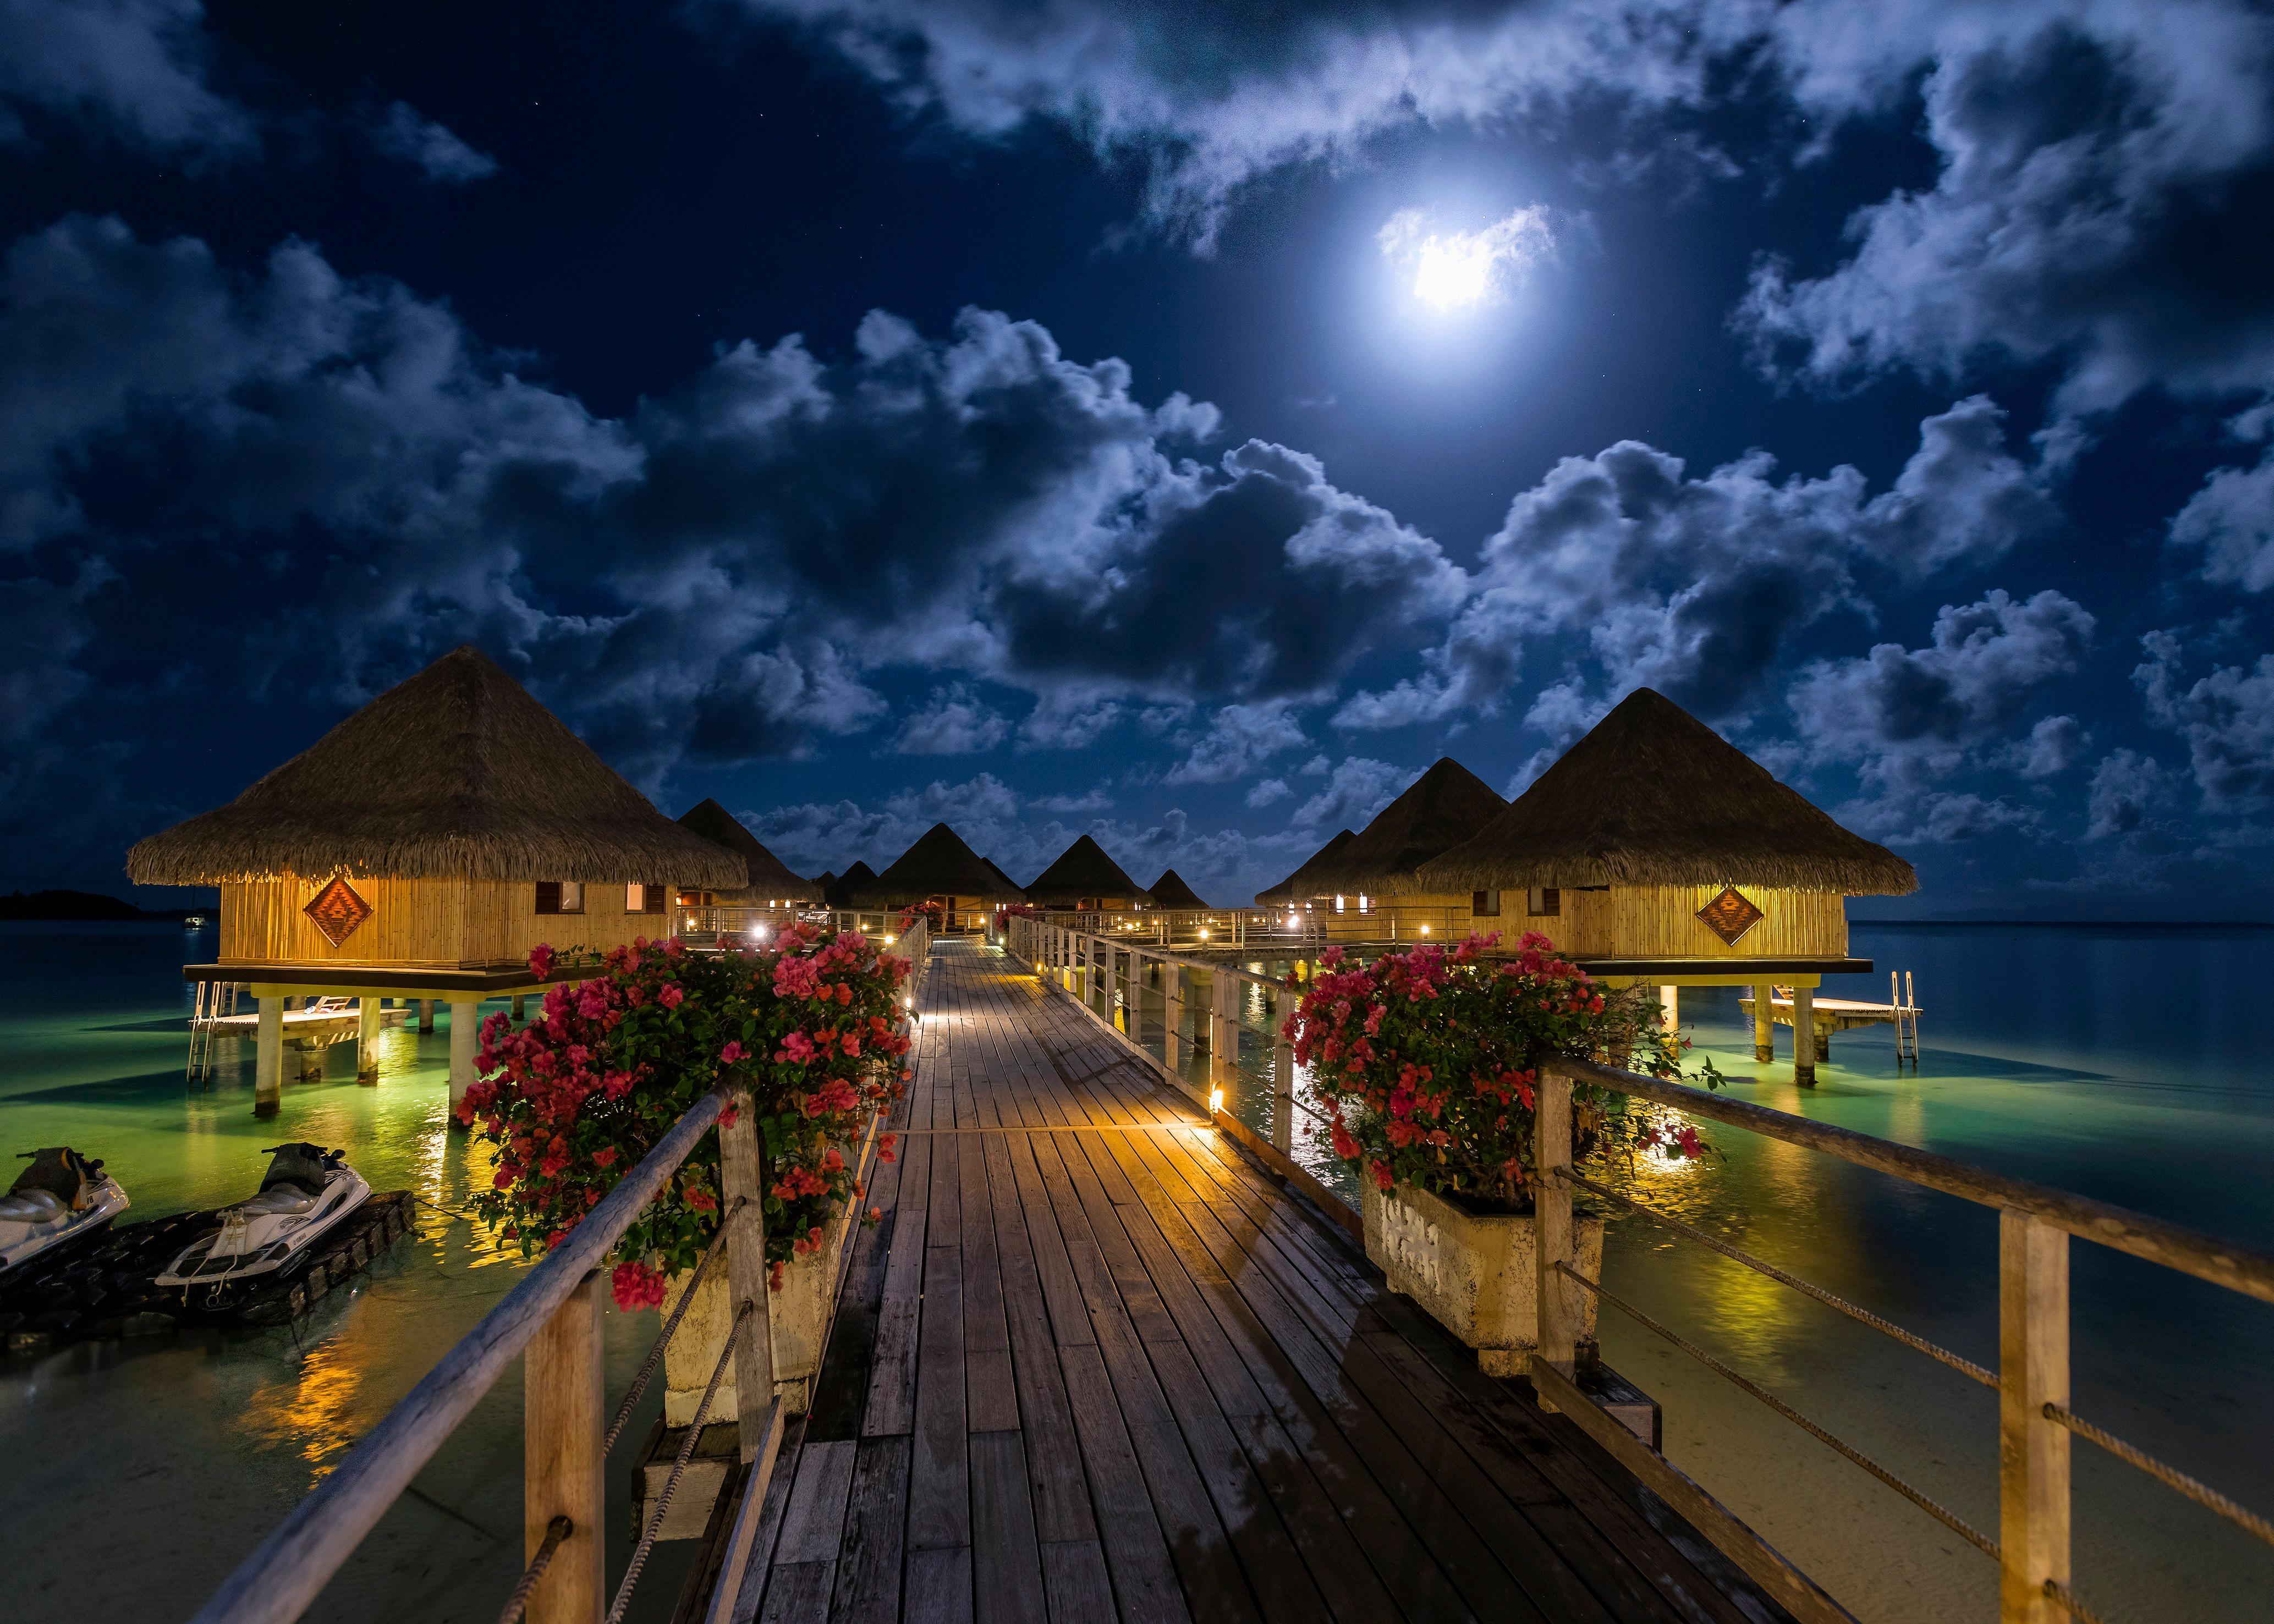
[1660,922]
[1624,921]
[423,924]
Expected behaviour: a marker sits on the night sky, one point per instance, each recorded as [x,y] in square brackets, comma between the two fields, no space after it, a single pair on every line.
[1178,421]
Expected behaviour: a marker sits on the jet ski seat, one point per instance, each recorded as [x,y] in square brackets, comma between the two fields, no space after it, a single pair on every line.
[277,1198]
[32,1206]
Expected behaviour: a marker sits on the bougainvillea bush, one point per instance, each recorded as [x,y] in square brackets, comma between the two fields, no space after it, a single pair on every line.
[1427,1061]
[810,1026]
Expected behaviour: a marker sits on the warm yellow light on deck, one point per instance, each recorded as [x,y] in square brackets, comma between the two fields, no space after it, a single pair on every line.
[1215,1100]
[1203,933]
[888,941]
[1424,930]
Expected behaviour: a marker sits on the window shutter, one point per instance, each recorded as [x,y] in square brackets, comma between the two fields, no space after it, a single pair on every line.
[548,896]
[654,898]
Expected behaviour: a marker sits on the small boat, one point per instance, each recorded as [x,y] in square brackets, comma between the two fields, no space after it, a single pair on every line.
[306,1192]
[193,922]
[61,1198]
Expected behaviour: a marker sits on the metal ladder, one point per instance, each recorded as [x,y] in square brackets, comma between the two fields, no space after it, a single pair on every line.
[1905,1006]
[214,1001]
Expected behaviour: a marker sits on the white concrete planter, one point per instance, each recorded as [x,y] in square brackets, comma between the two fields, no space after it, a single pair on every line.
[800,1318]
[1477,1276]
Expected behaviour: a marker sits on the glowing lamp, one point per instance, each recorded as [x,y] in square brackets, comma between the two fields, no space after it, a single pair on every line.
[1215,1100]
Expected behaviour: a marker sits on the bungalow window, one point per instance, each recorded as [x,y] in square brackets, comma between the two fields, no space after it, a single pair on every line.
[1338,902]
[1485,904]
[1363,907]
[640,897]
[559,896]
[1543,902]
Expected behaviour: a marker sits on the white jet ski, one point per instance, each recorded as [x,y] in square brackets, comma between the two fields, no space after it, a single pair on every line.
[306,1192]
[62,1197]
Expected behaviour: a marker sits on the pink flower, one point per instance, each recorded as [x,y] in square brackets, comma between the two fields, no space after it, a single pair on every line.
[732,1052]
[672,996]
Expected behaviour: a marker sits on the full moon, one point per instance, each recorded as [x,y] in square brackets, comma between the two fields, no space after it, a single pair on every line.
[1453,274]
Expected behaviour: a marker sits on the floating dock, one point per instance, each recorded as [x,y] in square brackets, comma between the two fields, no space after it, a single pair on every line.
[104,1288]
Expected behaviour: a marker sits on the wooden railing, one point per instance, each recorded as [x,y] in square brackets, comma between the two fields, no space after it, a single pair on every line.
[553,1320]
[2035,1422]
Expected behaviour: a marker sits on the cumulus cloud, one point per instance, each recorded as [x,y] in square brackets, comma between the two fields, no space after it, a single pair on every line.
[1357,787]
[2129,790]
[1209,98]
[2226,717]
[131,71]
[1694,586]
[1453,268]
[2102,169]
[956,722]
[1240,740]
[2054,745]
[405,133]
[718,575]
[1269,791]
[2230,520]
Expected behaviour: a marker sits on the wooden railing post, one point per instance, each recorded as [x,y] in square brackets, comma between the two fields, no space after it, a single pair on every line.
[1172,1012]
[564,1415]
[1223,1038]
[739,1175]
[1283,1075]
[2033,1451]
[1551,1223]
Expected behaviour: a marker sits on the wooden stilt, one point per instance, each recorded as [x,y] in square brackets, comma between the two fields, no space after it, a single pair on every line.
[1804,1036]
[268,1059]
[1551,1224]
[367,1030]
[426,1014]
[1763,1028]
[520,1009]
[465,1042]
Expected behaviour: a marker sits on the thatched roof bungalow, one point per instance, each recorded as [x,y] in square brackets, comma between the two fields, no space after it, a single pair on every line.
[437,835]
[1298,885]
[856,879]
[1169,891]
[1018,891]
[1655,850]
[771,884]
[1085,878]
[939,867]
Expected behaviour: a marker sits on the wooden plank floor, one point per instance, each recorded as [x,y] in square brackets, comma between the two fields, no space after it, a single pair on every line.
[1094,1365]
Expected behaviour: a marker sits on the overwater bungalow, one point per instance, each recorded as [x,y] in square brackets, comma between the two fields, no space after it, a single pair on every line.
[1654,851]
[938,868]
[1169,893]
[1297,886]
[841,890]
[1018,891]
[421,849]
[1350,890]
[772,887]
[1086,879]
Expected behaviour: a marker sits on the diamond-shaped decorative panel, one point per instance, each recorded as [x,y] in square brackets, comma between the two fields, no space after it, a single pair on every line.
[1731,915]
[338,911]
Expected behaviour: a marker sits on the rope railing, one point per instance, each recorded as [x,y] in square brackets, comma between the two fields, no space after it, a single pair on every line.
[1948,1519]
[663,1340]
[679,1466]
[2209,1499]
[1863,1316]
[517,1602]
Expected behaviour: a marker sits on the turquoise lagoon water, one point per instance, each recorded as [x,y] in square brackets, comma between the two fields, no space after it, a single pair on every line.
[2136,1065]
[140,1472]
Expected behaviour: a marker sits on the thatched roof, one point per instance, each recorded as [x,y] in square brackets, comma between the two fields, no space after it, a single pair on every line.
[848,885]
[939,864]
[456,773]
[996,869]
[1653,796]
[823,881]
[1083,872]
[1298,885]
[1171,891]
[769,876]
[1439,810]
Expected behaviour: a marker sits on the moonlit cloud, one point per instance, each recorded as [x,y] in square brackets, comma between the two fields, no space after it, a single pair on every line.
[1460,270]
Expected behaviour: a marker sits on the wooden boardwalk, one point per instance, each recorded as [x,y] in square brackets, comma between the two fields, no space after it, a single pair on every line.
[1093,1364]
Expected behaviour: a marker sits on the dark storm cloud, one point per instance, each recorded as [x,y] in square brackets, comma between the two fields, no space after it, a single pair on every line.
[1695,586]
[719,575]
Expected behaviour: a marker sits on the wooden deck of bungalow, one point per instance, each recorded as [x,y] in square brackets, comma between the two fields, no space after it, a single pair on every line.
[1093,1363]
